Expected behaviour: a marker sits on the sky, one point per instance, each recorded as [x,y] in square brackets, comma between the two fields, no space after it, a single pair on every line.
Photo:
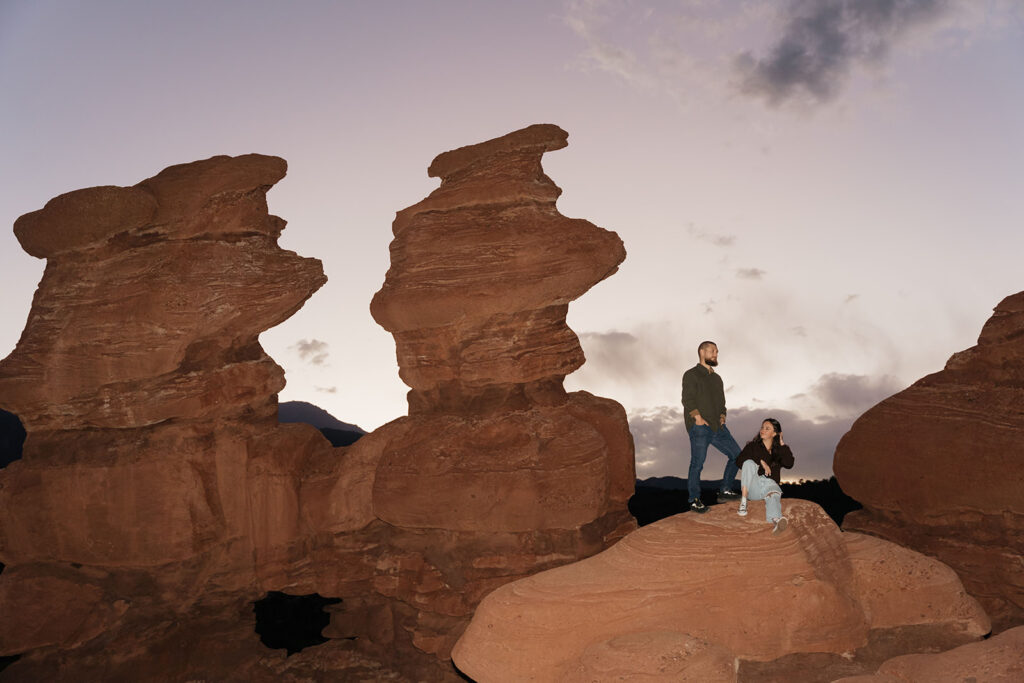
[829,189]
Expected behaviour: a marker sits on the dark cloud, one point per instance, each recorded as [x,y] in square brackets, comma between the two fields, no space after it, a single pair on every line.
[750,273]
[312,351]
[823,39]
[848,395]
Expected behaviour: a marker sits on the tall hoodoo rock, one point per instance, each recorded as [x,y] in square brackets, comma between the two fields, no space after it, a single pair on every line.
[150,407]
[938,466]
[497,470]
[482,272]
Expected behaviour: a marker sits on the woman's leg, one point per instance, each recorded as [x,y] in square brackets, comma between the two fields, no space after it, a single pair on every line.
[772,500]
[747,475]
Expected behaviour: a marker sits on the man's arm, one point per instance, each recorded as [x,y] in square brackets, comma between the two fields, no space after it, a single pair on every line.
[690,397]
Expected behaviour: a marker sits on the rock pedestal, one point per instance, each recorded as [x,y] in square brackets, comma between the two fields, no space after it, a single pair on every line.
[938,466]
[497,472]
[694,597]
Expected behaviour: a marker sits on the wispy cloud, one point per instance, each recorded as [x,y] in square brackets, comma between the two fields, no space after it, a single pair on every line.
[589,19]
[312,351]
[326,390]
[717,239]
[750,273]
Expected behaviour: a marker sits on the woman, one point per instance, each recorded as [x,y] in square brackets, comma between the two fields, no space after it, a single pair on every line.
[761,462]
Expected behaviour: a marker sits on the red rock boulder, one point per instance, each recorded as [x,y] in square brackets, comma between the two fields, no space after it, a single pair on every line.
[689,596]
[938,466]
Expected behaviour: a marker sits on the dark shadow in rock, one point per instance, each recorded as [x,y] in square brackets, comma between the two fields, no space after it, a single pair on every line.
[8,660]
[12,438]
[292,622]
[341,437]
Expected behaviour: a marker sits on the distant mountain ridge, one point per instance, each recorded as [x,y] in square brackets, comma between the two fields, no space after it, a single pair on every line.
[301,411]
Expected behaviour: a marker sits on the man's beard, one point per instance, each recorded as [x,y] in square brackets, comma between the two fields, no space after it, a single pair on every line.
[712,363]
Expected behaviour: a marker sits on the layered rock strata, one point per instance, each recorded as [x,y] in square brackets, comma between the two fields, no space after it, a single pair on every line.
[947,480]
[700,597]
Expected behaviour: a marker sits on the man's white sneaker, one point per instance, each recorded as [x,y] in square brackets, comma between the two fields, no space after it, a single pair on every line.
[742,512]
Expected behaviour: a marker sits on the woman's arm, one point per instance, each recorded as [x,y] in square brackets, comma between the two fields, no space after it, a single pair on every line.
[784,456]
[748,453]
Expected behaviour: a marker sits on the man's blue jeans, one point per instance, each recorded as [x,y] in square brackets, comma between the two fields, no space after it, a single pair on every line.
[701,437]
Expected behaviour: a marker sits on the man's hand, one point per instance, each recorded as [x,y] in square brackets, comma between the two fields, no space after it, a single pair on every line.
[722,420]
[699,420]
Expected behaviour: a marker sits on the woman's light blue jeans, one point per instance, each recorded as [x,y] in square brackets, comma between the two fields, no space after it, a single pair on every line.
[760,487]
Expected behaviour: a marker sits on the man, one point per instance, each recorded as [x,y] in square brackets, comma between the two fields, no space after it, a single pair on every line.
[704,412]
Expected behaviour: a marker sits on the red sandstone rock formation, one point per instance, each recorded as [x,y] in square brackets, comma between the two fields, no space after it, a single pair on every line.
[937,466]
[497,472]
[150,409]
[158,497]
[684,598]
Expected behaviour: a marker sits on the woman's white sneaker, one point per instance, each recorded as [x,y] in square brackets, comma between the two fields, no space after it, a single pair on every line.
[742,512]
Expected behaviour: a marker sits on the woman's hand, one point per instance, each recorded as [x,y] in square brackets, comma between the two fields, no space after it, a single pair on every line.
[781,442]
[767,470]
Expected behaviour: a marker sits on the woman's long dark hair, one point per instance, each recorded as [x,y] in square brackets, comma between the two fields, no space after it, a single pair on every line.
[775,440]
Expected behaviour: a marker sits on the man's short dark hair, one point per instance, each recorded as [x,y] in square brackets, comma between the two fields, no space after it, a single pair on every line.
[704,345]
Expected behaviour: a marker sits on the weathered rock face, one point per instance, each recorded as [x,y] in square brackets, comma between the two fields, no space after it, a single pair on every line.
[481,274]
[947,481]
[684,598]
[139,377]
[154,477]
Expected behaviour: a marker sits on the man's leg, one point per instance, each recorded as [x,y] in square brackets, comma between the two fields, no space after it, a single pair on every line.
[700,439]
[724,442]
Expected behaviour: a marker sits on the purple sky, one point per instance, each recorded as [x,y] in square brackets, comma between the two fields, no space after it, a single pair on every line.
[829,189]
